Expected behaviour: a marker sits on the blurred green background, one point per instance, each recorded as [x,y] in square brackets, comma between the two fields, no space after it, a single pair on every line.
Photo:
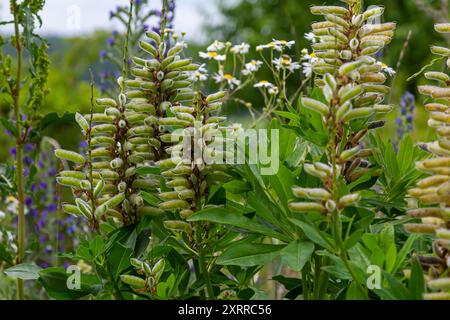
[256,22]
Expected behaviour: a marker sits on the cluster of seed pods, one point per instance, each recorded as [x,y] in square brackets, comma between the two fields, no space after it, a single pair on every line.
[129,134]
[199,158]
[433,192]
[152,275]
[346,46]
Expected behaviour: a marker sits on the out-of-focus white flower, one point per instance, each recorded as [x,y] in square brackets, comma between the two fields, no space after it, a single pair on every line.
[10,236]
[12,204]
[386,69]
[182,44]
[285,62]
[228,78]
[251,67]
[264,84]
[278,45]
[309,60]
[311,37]
[200,75]
[2,214]
[242,48]
[216,46]
[212,55]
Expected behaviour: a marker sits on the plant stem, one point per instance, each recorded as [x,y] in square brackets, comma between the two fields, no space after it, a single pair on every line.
[205,273]
[19,151]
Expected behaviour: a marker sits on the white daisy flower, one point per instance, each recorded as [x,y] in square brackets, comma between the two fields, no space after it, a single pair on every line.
[285,62]
[264,84]
[228,78]
[200,75]
[278,45]
[388,70]
[251,67]
[309,60]
[242,48]
[212,55]
[311,37]
[2,214]
[216,46]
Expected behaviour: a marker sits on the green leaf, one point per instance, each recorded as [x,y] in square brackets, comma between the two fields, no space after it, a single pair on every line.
[24,271]
[5,255]
[404,251]
[314,234]
[119,260]
[354,292]
[249,254]
[8,125]
[150,198]
[296,254]
[237,187]
[54,281]
[417,282]
[223,216]
[148,170]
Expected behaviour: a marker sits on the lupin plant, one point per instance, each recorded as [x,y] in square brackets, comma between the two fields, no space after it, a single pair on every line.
[127,135]
[192,176]
[345,46]
[352,89]
[432,192]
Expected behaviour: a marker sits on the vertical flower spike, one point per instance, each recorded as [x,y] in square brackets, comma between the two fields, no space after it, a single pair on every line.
[433,192]
[198,154]
[345,47]
[347,37]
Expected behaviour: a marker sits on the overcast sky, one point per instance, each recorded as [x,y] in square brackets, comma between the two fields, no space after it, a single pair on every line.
[61,17]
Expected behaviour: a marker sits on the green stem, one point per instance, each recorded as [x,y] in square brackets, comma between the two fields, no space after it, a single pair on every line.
[19,149]
[305,286]
[204,271]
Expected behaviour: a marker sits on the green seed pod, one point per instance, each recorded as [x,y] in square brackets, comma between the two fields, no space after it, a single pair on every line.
[116,163]
[174,205]
[99,188]
[68,182]
[115,201]
[85,185]
[358,114]
[347,155]
[179,226]
[304,207]
[70,156]
[100,211]
[72,210]
[315,105]
[73,174]
[82,122]
[84,208]
[146,184]
[147,47]
[150,211]
[106,102]
[133,281]
[349,200]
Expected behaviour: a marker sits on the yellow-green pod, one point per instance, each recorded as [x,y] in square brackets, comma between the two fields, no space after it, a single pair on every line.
[304,207]
[70,156]
[150,211]
[133,281]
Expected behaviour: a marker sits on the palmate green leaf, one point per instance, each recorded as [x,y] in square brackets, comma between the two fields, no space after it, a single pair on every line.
[314,234]
[296,254]
[249,254]
[24,271]
[224,216]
